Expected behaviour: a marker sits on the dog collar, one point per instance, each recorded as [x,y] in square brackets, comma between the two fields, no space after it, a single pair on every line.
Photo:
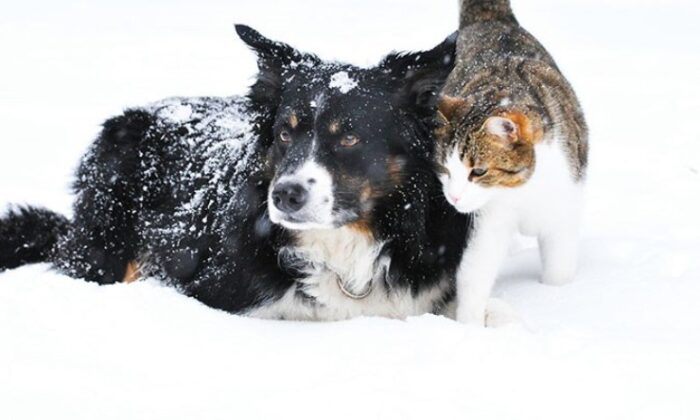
[351,295]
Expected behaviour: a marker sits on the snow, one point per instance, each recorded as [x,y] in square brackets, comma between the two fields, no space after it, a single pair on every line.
[621,342]
[176,113]
[342,81]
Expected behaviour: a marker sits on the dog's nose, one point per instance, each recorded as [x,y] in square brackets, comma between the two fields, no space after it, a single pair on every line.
[289,197]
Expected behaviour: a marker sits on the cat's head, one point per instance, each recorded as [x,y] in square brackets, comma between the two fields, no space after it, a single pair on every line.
[482,155]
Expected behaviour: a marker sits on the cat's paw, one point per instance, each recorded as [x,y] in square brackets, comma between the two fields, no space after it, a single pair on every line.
[501,314]
[471,316]
[496,314]
[557,277]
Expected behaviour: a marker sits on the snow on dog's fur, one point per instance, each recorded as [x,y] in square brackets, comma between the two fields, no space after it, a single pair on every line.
[311,198]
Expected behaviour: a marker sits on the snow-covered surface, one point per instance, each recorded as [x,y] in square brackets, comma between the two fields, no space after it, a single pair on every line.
[622,342]
[343,82]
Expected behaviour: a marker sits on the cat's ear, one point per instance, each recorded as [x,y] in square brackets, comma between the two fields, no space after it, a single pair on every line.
[512,128]
[503,128]
[449,107]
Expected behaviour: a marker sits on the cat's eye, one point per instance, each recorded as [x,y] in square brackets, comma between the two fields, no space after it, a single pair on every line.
[285,136]
[479,172]
[349,140]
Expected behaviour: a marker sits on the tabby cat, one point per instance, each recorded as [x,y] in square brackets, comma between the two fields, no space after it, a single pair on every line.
[512,149]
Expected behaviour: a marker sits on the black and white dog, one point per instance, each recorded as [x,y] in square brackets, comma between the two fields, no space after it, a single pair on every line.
[311,198]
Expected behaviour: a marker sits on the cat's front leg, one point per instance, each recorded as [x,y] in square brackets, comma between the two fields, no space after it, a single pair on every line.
[559,249]
[480,265]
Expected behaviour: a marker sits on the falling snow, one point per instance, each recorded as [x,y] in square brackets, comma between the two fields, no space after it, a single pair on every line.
[621,342]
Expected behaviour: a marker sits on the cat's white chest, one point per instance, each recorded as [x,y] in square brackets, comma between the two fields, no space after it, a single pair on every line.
[550,194]
[547,206]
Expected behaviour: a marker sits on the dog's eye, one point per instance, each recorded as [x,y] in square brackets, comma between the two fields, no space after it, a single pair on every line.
[285,137]
[349,140]
[479,172]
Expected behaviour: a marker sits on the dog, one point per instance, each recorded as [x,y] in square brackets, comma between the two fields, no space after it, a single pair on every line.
[310,198]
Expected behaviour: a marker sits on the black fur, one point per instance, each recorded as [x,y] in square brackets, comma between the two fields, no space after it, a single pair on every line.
[28,234]
[171,189]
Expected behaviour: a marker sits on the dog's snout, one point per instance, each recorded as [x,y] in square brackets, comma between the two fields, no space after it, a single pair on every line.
[289,197]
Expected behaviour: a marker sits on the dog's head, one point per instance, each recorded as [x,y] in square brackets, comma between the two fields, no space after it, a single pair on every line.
[342,138]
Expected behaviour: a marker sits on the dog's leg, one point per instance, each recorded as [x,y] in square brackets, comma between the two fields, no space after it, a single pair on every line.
[102,240]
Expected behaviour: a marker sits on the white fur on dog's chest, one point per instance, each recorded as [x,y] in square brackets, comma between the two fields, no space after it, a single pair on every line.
[354,258]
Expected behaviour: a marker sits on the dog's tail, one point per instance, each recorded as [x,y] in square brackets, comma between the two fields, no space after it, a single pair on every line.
[28,235]
[476,11]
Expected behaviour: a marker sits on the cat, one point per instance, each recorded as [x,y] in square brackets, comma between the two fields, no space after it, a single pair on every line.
[512,149]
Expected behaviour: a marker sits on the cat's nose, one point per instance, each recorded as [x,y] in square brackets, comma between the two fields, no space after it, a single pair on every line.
[455,198]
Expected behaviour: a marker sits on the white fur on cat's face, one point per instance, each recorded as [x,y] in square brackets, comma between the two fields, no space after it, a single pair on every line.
[464,195]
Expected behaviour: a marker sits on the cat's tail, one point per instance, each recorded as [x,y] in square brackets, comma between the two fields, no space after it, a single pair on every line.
[476,11]
[28,235]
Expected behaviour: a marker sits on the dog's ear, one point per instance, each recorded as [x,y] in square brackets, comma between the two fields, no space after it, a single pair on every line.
[421,75]
[274,60]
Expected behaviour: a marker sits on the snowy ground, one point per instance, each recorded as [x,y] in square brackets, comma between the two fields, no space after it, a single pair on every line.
[622,342]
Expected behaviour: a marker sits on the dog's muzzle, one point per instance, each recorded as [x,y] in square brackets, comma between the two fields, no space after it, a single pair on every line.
[302,199]
[289,197]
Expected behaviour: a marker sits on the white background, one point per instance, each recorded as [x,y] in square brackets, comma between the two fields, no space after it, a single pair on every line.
[622,342]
